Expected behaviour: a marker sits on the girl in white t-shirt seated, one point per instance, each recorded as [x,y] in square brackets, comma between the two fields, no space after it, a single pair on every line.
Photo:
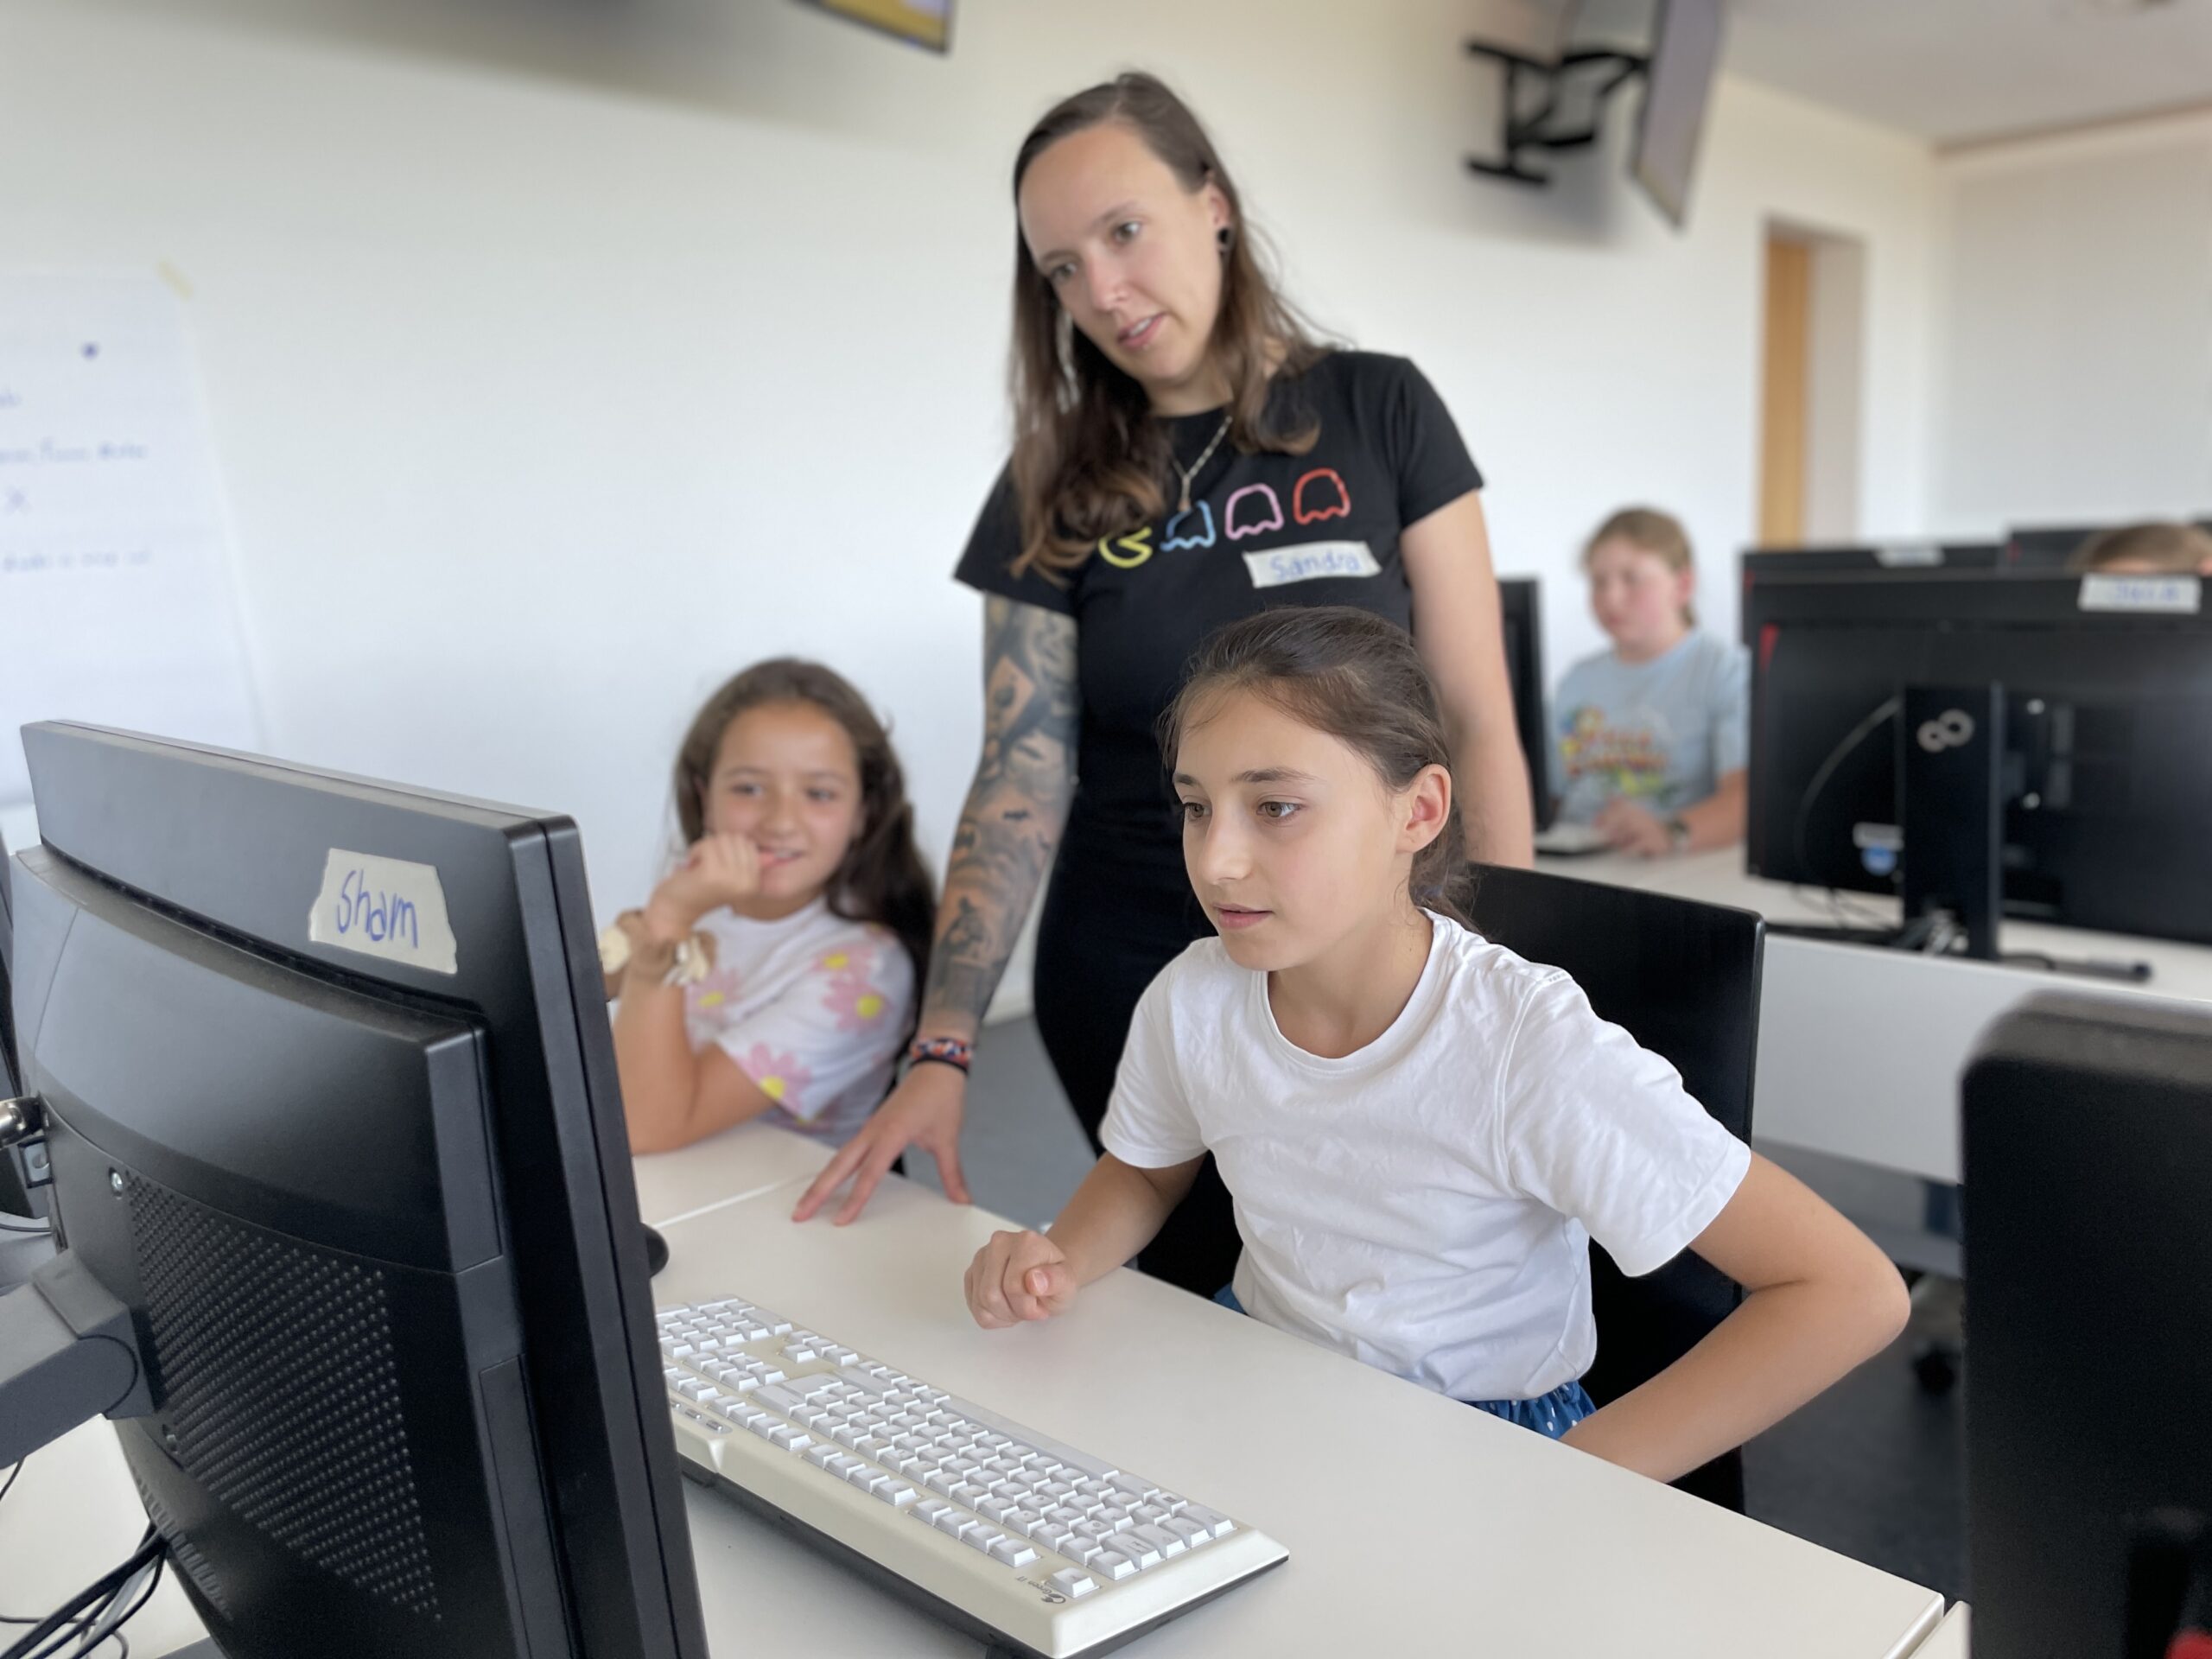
[1419,1130]
[771,973]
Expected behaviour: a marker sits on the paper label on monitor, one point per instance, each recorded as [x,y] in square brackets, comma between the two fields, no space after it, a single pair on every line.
[1310,561]
[1898,555]
[384,907]
[2172,595]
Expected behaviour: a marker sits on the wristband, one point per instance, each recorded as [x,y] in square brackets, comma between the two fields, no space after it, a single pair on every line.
[954,1051]
[691,959]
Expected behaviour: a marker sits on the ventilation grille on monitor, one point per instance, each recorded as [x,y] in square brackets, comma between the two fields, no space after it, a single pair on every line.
[275,1362]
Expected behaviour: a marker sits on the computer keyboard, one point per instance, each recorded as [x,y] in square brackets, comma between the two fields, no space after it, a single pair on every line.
[1006,1532]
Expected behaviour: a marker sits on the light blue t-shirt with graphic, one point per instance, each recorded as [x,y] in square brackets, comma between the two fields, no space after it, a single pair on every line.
[1661,732]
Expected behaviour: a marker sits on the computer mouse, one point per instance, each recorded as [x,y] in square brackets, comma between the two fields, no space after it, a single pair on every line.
[656,1252]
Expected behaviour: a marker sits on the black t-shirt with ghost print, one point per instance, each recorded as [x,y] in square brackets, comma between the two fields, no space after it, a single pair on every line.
[1318,529]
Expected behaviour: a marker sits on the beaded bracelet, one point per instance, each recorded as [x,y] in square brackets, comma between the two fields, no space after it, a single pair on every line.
[954,1051]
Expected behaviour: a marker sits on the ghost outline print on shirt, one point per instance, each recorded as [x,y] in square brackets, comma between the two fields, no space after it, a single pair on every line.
[1172,543]
[1272,510]
[1338,508]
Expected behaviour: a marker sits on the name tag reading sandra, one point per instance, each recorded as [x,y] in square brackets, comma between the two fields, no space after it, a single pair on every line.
[384,907]
[1310,561]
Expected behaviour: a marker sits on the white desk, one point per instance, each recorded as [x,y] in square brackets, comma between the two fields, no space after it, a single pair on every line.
[1414,1523]
[1861,1050]
[1949,1640]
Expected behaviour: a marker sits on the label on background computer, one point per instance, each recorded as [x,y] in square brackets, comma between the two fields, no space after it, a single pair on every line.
[384,907]
[2174,596]
[1907,555]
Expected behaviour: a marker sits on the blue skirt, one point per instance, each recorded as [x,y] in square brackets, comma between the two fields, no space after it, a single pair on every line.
[1550,1414]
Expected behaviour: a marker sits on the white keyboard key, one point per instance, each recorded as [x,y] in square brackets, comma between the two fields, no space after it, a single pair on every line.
[897,1493]
[1071,1583]
[798,1356]
[1139,1554]
[1190,1532]
[1159,1537]
[1219,1525]
[928,1508]
[781,1399]
[1066,1454]
[1113,1566]
[982,1538]
[822,1456]
[1012,1552]
[954,1524]
[791,1439]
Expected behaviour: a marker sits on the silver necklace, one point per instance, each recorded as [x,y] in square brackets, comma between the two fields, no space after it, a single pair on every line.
[1198,465]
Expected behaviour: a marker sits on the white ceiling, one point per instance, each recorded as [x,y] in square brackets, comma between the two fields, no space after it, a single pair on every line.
[1953,71]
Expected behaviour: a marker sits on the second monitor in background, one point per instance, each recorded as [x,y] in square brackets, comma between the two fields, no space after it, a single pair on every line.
[2062,770]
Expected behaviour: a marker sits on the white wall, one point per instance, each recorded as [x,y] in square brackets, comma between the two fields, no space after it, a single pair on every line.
[563,359]
[2076,381]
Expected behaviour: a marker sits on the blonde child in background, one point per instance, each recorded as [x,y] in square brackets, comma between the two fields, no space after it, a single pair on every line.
[2156,548]
[1651,735]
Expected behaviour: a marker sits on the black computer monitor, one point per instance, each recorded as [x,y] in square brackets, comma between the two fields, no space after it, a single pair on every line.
[2094,758]
[1521,599]
[1874,556]
[2052,547]
[2045,547]
[329,1096]
[2087,1153]
[7,975]
[18,1196]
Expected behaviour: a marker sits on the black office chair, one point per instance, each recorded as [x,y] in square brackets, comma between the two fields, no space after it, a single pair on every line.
[1682,979]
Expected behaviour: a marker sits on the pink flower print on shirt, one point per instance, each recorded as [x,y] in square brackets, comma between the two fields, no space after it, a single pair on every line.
[857,1004]
[779,1077]
[846,959]
[708,993]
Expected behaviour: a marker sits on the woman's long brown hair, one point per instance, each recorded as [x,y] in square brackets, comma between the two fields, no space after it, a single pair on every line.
[1089,459]
[882,878]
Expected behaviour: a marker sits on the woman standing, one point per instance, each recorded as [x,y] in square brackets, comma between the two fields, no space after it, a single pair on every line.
[1186,452]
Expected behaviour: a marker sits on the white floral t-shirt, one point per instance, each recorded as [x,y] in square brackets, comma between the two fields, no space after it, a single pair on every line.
[813,1008]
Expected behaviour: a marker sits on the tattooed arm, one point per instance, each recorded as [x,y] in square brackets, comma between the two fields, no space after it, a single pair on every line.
[1008,829]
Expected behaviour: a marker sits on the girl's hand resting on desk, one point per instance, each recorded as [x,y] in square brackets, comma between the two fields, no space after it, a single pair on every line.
[1019,1276]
